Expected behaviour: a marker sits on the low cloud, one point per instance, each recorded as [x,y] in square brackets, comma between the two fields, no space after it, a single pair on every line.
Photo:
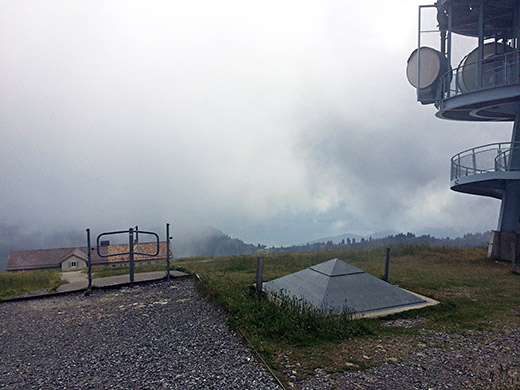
[276,123]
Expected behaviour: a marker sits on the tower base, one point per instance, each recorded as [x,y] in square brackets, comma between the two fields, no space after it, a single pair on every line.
[502,246]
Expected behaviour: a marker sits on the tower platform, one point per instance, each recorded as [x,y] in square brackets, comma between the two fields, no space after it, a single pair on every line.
[483,87]
[493,95]
[484,170]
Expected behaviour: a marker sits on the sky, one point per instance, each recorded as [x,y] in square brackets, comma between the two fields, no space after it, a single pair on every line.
[276,122]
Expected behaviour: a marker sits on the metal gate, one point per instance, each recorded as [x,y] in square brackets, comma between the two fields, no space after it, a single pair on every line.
[133,243]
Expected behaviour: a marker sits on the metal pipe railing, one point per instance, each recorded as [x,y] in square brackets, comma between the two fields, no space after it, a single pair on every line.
[496,71]
[487,158]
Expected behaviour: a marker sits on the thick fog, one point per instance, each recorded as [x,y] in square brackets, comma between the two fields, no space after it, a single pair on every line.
[276,122]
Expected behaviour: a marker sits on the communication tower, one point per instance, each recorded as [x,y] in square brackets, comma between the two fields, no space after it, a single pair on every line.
[483,84]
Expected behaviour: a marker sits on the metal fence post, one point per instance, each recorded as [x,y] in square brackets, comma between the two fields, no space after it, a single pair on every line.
[131,255]
[89,259]
[474,158]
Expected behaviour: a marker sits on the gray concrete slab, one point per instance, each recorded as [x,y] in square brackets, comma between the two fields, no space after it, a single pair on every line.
[73,276]
[81,282]
[382,313]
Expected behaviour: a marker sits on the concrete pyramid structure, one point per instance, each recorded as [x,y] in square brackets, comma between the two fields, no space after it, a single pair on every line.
[336,285]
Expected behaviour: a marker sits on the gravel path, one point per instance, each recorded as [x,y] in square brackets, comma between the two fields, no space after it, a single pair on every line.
[147,337]
[480,360]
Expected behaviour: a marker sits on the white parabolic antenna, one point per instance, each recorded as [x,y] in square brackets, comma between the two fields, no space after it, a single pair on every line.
[433,65]
[468,75]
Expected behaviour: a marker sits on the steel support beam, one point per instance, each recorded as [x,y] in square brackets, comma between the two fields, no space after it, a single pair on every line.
[510,207]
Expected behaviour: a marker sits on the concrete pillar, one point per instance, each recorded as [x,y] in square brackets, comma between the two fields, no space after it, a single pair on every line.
[503,246]
[494,245]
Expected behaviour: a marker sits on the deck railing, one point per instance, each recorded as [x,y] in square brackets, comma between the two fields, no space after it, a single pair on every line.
[497,157]
[496,71]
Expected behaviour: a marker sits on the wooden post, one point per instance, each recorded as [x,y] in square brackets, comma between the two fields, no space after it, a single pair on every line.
[387,264]
[259,273]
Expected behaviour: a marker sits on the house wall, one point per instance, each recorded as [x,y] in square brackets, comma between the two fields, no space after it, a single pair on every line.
[67,264]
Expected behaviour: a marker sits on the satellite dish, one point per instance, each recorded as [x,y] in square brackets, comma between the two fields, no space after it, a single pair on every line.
[433,65]
[467,76]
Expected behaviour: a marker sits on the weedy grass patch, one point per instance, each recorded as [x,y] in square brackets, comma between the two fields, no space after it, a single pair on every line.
[16,283]
[284,321]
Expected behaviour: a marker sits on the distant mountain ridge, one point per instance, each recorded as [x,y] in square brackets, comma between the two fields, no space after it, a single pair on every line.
[208,241]
[469,240]
[357,237]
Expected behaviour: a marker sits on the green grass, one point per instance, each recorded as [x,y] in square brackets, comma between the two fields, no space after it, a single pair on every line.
[228,281]
[13,284]
[16,283]
[285,321]
[475,293]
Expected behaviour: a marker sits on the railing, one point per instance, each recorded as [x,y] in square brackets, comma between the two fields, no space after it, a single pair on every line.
[495,71]
[497,157]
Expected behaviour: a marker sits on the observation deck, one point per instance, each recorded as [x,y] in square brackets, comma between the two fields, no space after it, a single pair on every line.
[499,17]
[484,87]
[486,90]
[484,170]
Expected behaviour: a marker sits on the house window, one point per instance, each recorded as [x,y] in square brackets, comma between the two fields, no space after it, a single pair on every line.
[73,264]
